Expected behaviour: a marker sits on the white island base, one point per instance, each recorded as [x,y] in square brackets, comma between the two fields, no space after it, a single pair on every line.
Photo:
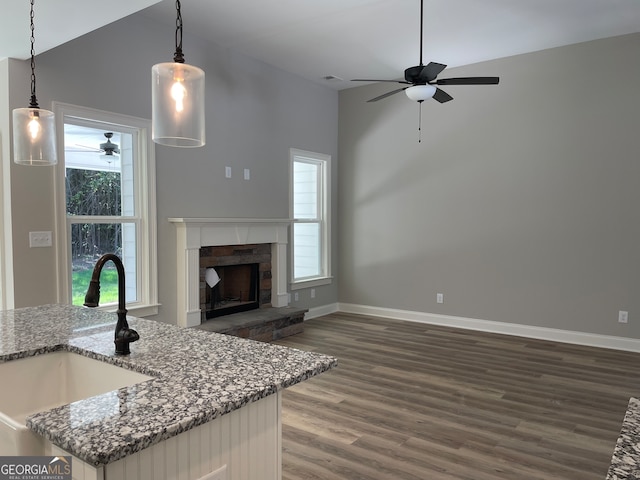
[245,444]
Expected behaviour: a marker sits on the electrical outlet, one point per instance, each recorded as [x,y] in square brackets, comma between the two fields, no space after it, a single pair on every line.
[227,172]
[623,317]
[313,293]
[39,239]
[296,296]
[439,298]
[247,174]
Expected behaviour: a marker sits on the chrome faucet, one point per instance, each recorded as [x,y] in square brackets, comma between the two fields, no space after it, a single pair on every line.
[124,335]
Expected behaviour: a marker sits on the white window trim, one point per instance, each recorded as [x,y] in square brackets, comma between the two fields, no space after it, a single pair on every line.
[327,277]
[6,242]
[147,303]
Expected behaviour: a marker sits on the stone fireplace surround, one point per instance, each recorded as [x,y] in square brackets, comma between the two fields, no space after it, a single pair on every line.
[194,233]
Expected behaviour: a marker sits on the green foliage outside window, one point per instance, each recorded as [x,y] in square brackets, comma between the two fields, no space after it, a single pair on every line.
[93,193]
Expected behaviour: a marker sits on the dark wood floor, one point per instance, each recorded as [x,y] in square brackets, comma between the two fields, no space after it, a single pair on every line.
[414,401]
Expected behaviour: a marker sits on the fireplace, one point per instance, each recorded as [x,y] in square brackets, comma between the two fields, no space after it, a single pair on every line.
[196,234]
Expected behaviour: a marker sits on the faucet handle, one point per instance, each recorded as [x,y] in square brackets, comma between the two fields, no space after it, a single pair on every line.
[123,338]
[129,335]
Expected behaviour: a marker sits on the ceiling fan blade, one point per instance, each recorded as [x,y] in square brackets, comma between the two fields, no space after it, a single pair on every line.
[430,72]
[469,81]
[83,148]
[388,94]
[375,80]
[442,96]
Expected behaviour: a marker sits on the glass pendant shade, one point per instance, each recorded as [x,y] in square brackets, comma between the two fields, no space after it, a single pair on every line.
[34,137]
[177,97]
[420,93]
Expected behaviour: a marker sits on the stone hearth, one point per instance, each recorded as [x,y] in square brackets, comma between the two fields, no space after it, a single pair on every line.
[264,324]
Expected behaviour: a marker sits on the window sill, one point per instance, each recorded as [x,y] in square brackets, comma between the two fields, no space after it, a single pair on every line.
[143,310]
[315,282]
[135,310]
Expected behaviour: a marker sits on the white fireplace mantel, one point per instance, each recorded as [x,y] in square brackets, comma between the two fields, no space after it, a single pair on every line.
[194,233]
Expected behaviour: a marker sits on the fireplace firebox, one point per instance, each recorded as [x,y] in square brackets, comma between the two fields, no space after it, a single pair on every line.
[234,278]
[231,289]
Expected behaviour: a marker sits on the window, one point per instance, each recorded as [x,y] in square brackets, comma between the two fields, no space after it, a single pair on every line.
[106,189]
[310,214]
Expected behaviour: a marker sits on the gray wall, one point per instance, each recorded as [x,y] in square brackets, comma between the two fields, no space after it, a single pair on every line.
[255,113]
[520,205]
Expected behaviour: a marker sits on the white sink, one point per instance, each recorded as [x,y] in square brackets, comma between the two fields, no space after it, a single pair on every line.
[39,383]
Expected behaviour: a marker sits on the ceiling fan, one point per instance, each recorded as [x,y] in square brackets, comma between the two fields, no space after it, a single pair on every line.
[422,79]
[108,148]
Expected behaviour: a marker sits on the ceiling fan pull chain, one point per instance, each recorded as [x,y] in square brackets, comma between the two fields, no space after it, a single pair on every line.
[419,122]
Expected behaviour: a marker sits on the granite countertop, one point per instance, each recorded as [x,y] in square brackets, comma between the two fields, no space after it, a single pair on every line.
[625,462]
[199,376]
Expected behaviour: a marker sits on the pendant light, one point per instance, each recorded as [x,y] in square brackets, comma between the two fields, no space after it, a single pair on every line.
[34,134]
[177,99]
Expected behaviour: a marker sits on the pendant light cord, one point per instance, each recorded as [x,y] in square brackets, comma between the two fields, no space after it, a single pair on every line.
[178,57]
[34,101]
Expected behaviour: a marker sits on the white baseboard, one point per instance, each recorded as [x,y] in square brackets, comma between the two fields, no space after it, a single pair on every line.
[542,333]
[315,312]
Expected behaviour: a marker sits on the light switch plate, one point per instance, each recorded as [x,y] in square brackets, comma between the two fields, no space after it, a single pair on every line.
[227,172]
[39,239]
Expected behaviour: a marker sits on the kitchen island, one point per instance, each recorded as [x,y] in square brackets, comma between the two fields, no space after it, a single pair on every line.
[625,462]
[213,404]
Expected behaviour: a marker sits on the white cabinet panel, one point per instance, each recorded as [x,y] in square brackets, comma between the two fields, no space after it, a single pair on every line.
[247,441]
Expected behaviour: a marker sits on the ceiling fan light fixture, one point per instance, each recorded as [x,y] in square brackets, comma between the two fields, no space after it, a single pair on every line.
[420,93]
[177,99]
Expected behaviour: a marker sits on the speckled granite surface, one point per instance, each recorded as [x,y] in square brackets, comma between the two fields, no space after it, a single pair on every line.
[625,462]
[199,376]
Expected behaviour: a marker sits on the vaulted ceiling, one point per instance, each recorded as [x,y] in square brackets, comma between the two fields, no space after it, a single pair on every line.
[341,38]
[57,21]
